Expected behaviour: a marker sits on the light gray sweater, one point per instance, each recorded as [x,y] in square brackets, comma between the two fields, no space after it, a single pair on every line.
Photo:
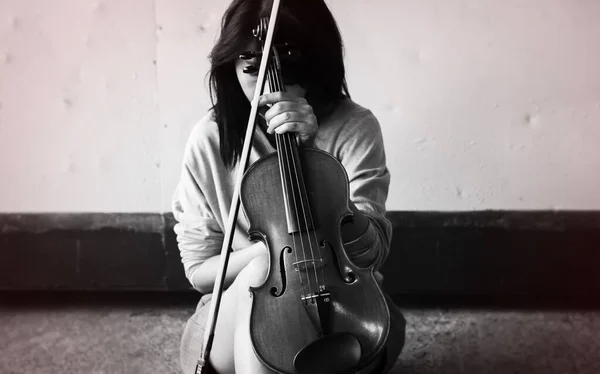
[202,199]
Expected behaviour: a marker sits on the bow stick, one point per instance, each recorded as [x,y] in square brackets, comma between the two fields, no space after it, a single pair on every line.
[213,312]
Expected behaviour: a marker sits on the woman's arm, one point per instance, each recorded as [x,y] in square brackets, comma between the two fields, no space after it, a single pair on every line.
[367,237]
[203,277]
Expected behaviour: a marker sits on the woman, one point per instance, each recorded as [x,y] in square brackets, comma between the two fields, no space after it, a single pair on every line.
[317,108]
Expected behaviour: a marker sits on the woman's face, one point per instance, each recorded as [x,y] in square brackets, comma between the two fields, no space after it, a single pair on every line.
[248,81]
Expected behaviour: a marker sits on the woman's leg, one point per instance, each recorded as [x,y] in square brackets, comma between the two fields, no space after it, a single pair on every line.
[232,350]
[245,358]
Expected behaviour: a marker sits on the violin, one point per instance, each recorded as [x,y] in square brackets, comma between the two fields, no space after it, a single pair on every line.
[316,312]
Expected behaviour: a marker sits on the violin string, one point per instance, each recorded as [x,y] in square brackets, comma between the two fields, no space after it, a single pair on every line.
[282,150]
[304,209]
[288,146]
[316,241]
[303,268]
[285,139]
[290,139]
[275,85]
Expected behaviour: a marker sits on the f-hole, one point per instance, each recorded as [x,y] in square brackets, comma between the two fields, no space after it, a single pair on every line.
[346,273]
[282,271]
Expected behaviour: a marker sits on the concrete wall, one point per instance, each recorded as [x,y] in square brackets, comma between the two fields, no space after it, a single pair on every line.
[484,104]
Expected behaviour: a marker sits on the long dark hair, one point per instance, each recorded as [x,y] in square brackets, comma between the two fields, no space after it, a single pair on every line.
[308,24]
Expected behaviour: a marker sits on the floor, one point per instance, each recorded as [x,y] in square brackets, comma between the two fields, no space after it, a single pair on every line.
[44,334]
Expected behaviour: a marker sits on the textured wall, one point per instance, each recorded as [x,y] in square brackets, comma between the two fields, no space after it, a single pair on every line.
[484,104]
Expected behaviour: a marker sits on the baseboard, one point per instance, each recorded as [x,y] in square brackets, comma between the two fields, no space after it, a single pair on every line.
[495,255]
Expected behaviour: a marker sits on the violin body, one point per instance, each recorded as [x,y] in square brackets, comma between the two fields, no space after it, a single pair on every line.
[289,312]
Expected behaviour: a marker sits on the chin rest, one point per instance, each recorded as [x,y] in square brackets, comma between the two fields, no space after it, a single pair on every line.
[338,353]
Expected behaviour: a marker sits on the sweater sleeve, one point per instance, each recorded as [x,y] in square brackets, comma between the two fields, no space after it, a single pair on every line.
[363,156]
[199,235]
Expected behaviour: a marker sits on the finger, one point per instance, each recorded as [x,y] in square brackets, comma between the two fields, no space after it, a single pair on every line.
[300,106]
[302,129]
[284,118]
[291,127]
[281,108]
[275,97]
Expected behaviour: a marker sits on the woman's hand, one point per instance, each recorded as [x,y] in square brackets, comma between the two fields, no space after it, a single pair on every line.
[290,113]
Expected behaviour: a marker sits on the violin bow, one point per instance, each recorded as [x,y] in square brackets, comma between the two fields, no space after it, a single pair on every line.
[213,312]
